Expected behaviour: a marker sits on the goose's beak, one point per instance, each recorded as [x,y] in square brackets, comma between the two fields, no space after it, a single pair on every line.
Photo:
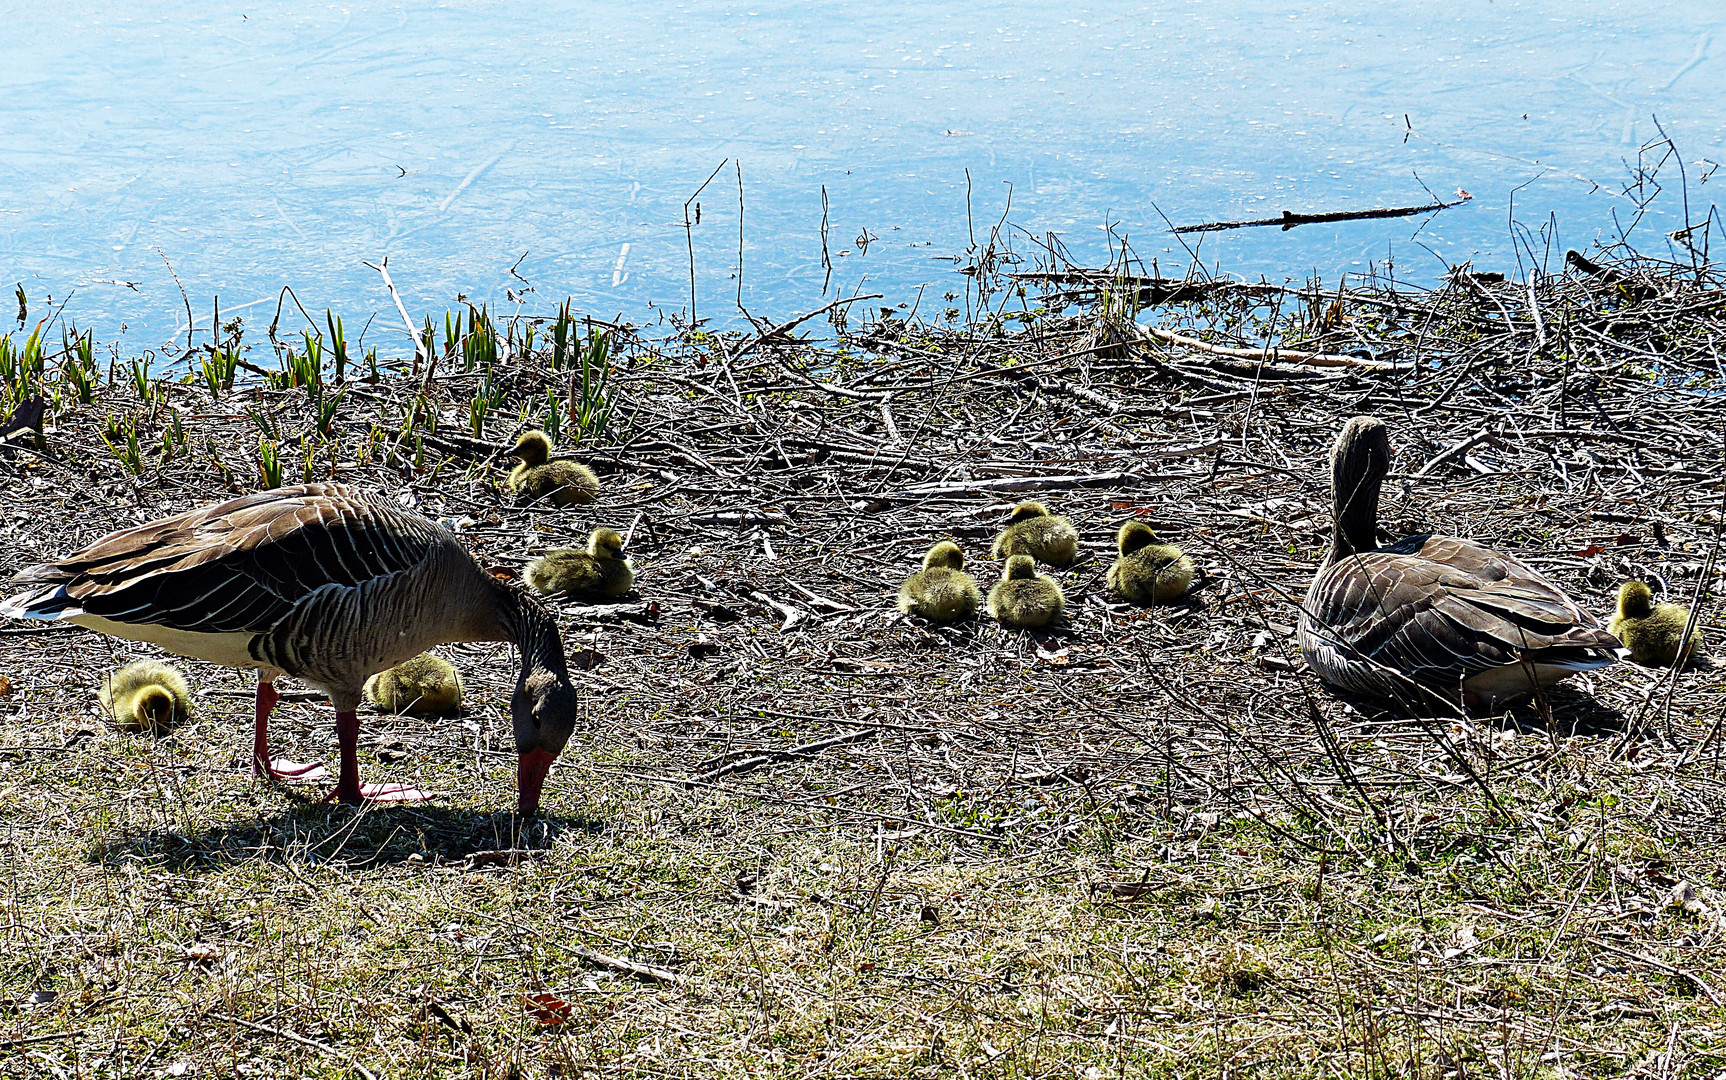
[530,778]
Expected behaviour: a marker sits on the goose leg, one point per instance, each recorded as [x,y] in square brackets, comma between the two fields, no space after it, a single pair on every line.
[262,764]
[348,787]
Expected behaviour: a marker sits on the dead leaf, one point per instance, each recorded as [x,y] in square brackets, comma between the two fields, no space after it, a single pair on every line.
[5,687]
[931,916]
[548,1009]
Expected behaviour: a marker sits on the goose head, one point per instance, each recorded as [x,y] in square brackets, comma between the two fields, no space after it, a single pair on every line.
[1358,464]
[543,709]
[605,544]
[1027,510]
[533,448]
[945,554]
[1635,600]
[1133,536]
[1019,568]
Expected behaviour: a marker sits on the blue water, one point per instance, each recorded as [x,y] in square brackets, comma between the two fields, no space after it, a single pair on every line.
[277,144]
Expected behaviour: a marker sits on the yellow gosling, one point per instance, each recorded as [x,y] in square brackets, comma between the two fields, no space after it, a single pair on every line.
[599,573]
[564,482]
[1025,598]
[1653,632]
[1148,572]
[424,686]
[941,592]
[1033,531]
[147,696]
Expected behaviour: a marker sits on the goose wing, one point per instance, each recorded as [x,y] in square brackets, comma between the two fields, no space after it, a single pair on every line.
[237,566]
[1439,610]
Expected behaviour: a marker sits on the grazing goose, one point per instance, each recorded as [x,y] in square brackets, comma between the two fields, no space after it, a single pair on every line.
[599,573]
[1148,572]
[1431,615]
[424,686]
[146,695]
[321,582]
[1652,632]
[566,482]
[1024,598]
[941,592]
[1033,531]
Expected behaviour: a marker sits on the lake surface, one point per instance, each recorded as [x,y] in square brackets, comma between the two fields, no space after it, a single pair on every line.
[274,144]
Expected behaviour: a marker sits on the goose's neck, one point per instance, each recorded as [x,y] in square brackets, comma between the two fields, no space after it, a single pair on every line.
[1354,495]
[523,620]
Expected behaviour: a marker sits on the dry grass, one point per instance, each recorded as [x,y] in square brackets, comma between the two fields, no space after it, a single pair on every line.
[1145,845]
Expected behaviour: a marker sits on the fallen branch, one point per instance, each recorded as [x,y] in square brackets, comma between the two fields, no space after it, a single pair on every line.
[1038,483]
[420,348]
[293,1036]
[647,972]
[1289,219]
[749,764]
[1270,354]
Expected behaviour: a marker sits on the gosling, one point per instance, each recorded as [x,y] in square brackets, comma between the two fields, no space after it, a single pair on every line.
[1653,632]
[1024,598]
[1033,531]
[1148,572]
[427,685]
[147,696]
[565,482]
[601,572]
[941,592]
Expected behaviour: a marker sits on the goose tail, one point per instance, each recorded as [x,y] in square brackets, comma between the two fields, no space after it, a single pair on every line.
[48,601]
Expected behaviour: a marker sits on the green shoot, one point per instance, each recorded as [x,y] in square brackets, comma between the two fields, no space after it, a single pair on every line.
[269,464]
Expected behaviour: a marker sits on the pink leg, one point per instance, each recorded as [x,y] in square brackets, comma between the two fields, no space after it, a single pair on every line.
[262,764]
[348,788]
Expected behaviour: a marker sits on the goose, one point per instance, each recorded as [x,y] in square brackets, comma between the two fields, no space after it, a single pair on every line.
[426,685]
[1024,598]
[324,583]
[146,695]
[1148,572]
[1431,615]
[566,482]
[941,592]
[1033,531]
[599,573]
[1652,632]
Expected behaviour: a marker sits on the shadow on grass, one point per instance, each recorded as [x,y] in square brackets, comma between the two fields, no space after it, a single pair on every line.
[1567,712]
[319,835]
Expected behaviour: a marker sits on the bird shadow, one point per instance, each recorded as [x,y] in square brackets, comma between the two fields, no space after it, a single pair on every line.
[1561,712]
[318,835]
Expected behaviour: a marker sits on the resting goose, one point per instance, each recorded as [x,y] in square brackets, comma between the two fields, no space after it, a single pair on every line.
[537,477]
[599,573]
[1652,632]
[320,582]
[146,695]
[1148,572]
[423,686]
[941,592]
[1431,615]
[1033,531]
[1024,598]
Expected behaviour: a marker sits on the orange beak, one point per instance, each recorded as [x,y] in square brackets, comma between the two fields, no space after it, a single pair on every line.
[530,778]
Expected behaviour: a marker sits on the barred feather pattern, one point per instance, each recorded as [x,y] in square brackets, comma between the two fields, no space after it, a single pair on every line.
[1435,611]
[332,584]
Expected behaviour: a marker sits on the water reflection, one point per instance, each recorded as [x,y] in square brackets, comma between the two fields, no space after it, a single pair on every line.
[489,149]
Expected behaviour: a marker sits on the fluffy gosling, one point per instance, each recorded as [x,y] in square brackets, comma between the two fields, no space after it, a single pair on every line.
[941,592]
[565,482]
[1033,531]
[146,695]
[1653,632]
[601,572]
[1148,572]
[1023,597]
[424,686]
